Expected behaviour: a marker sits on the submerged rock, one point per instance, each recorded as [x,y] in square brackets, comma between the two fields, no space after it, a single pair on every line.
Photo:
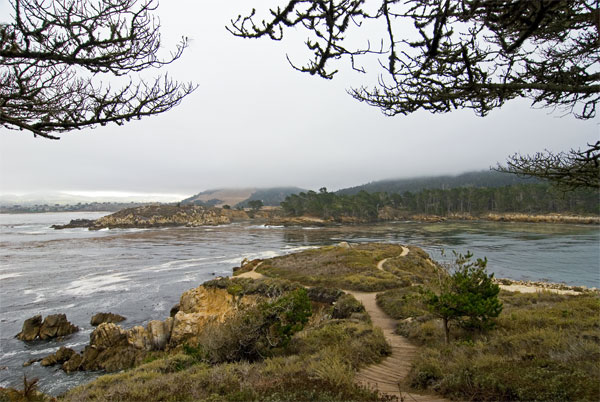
[53,326]
[99,318]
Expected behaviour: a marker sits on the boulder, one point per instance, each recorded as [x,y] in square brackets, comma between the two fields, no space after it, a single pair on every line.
[108,335]
[30,362]
[198,307]
[99,318]
[72,364]
[160,333]
[31,328]
[56,325]
[62,355]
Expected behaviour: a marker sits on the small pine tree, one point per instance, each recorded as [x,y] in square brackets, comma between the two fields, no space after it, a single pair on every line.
[467,295]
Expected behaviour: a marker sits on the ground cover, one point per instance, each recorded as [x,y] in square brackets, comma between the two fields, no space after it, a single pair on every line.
[545,346]
[255,355]
[352,268]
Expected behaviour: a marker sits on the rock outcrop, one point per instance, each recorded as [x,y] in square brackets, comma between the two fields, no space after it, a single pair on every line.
[113,348]
[62,355]
[197,307]
[168,215]
[99,318]
[75,223]
[53,326]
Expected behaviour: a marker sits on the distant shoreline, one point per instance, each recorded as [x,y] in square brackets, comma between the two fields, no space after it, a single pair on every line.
[508,217]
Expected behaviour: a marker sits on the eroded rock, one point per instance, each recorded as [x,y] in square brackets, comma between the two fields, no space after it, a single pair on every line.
[99,318]
[53,326]
[62,355]
[31,328]
[56,325]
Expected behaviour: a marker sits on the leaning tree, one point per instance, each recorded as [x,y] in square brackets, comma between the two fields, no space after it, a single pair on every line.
[441,55]
[59,60]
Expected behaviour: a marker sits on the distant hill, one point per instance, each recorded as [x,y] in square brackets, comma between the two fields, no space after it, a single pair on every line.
[487,178]
[240,197]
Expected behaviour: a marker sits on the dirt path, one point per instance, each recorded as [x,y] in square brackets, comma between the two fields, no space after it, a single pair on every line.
[404,253]
[251,274]
[387,375]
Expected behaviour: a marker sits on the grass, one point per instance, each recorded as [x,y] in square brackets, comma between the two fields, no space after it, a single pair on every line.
[337,267]
[320,365]
[545,347]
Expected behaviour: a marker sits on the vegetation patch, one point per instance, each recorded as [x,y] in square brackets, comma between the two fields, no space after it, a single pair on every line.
[545,347]
[338,267]
[318,364]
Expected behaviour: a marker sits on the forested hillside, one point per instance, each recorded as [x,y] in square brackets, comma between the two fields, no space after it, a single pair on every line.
[538,198]
[488,178]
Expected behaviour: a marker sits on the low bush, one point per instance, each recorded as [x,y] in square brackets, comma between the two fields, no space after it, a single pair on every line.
[545,347]
[346,306]
[403,303]
[254,332]
[319,366]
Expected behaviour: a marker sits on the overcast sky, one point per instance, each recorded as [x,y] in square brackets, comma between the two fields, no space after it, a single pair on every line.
[254,121]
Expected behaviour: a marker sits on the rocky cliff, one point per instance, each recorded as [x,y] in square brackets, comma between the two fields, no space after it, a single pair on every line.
[113,348]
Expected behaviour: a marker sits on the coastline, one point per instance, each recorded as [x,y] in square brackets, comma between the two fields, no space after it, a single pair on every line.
[508,217]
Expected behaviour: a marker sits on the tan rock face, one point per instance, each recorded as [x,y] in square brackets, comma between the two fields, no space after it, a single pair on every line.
[113,348]
[108,335]
[198,307]
[99,318]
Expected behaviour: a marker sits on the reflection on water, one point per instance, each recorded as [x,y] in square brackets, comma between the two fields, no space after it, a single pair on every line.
[140,273]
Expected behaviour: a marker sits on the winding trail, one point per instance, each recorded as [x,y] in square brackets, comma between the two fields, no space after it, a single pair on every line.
[387,375]
[251,274]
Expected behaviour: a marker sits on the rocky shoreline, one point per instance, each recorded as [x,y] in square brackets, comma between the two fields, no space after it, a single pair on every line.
[159,215]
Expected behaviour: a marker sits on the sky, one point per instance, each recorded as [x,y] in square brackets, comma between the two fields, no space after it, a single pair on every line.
[256,122]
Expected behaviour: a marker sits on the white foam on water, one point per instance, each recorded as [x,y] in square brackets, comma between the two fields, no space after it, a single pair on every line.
[40,296]
[75,344]
[97,283]
[7,276]
[44,351]
[181,264]
[13,353]
[300,248]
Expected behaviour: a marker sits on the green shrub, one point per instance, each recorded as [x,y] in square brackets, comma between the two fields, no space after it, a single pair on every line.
[255,332]
[346,306]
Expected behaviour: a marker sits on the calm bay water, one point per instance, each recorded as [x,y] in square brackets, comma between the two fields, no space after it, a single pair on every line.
[142,273]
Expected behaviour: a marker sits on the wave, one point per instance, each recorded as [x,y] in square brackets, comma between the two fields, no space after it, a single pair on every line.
[8,276]
[97,283]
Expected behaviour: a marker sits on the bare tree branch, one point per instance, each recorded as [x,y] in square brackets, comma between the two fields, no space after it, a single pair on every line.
[54,56]
[474,54]
[570,170]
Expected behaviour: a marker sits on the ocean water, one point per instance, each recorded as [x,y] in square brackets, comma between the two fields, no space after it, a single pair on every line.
[141,273]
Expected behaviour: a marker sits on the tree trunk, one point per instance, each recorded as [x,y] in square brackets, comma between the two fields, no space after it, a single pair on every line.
[446,331]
